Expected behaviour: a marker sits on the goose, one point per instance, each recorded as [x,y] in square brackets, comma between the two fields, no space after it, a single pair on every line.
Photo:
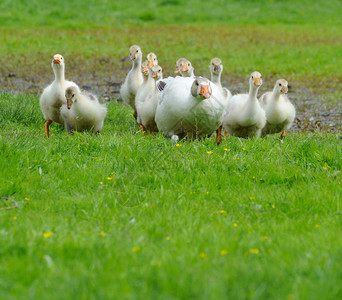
[148,84]
[280,112]
[152,60]
[216,69]
[147,108]
[53,96]
[184,67]
[134,78]
[244,116]
[83,111]
[192,107]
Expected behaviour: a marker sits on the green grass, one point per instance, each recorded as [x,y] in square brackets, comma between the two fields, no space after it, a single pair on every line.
[176,222]
[122,216]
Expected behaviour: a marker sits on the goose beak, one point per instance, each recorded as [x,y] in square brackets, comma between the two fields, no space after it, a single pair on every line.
[185,68]
[257,81]
[145,71]
[150,64]
[69,103]
[131,57]
[205,91]
[217,68]
[56,60]
[284,89]
[154,75]
[177,70]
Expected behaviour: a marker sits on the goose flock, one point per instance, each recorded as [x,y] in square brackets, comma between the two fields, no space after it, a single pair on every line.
[179,107]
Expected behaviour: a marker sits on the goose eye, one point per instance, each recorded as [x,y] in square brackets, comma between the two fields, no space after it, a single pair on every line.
[279,84]
[252,77]
[137,51]
[73,95]
[188,65]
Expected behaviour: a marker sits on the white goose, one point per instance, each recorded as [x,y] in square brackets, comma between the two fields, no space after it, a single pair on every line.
[184,67]
[190,107]
[147,108]
[216,69]
[53,96]
[244,116]
[280,112]
[134,78]
[83,111]
[148,84]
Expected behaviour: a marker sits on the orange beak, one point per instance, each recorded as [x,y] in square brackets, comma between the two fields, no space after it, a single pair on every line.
[284,89]
[177,70]
[150,64]
[154,74]
[56,60]
[131,57]
[185,68]
[205,91]
[145,71]
[257,81]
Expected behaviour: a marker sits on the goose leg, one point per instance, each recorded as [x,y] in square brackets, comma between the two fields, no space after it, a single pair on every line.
[218,136]
[46,127]
[142,128]
[283,135]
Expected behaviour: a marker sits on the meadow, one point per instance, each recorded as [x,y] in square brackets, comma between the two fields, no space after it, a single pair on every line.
[126,216]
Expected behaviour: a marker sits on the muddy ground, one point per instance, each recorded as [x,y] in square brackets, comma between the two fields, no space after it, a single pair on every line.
[317,110]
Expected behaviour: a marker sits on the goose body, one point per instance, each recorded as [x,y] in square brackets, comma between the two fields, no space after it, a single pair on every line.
[280,112]
[53,96]
[134,78]
[244,116]
[188,107]
[83,111]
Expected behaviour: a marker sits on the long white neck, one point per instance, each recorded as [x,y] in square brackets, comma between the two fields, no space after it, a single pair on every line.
[252,103]
[276,94]
[59,74]
[216,78]
[137,63]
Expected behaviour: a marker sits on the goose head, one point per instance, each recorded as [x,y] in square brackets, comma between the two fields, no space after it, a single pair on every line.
[151,60]
[281,87]
[70,95]
[255,80]
[186,68]
[157,72]
[134,52]
[57,62]
[215,66]
[178,64]
[200,88]
[144,68]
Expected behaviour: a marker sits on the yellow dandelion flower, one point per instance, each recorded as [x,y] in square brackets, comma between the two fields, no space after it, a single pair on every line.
[27,199]
[103,233]
[324,168]
[162,152]
[167,238]
[253,177]
[235,225]
[14,218]
[243,149]
[317,226]
[273,206]
[223,252]
[109,178]
[210,152]
[222,211]
[252,197]
[234,158]
[254,251]
[101,182]
[47,234]
[203,255]
[207,193]
[178,145]
[135,248]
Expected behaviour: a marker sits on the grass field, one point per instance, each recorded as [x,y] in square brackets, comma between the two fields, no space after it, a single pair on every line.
[123,216]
